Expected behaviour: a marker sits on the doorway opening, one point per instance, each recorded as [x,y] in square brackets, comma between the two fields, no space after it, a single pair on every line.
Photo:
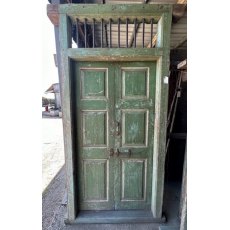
[176,144]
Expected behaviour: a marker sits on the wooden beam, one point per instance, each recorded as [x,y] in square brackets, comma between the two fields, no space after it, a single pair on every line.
[119,54]
[154,40]
[66,99]
[107,11]
[183,199]
[160,123]
[182,65]
[178,12]
[52,13]
[182,2]
[178,44]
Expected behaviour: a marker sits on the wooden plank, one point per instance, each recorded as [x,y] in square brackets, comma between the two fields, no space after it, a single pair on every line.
[181,1]
[107,11]
[122,54]
[182,65]
[115,217]
[64,37]
[183,201]
[154,40]
[183,40]
[52,13]
[161,107]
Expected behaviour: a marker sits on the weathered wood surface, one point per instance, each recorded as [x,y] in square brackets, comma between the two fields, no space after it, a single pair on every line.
[52,13]
[109,93]
[181,42]
[154,40]
[107,11]
[67,115]
[129,216]
[162,12]
[116,54]
[182,65]
[160,125]
[183,200]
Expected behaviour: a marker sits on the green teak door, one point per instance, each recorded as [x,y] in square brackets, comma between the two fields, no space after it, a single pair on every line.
[114,140]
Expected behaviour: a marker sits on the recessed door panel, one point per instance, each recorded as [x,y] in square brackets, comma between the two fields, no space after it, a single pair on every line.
[135,82]
[94,128]
[133,179]
[135,127]
[96,180]
[94,83]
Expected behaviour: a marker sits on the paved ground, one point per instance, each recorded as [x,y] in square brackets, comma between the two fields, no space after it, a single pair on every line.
[53,170]
[52,149]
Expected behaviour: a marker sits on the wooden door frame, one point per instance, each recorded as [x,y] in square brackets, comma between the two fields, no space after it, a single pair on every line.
[160,54]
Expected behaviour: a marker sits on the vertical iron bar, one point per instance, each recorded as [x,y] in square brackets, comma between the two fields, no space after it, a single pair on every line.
[110,34]
[143,33]
[77,33]
[127,31]
[85,32]
[94,33]
[118,32]
[151,34]
[135,32]
[102,33]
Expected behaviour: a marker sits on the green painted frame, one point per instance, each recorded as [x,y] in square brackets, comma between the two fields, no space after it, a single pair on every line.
[160,54]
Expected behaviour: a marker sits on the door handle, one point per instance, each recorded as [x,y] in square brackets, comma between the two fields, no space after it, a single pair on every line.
[124,152]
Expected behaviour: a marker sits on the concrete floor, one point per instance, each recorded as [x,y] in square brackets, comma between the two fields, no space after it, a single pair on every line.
[52,149]
[54,189]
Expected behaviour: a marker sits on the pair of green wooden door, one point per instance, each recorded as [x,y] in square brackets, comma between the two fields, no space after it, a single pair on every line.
[114,140]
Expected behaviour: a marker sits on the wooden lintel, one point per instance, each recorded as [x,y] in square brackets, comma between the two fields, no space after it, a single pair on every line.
[122,54]
[182,65]
[52,13]
[107,11]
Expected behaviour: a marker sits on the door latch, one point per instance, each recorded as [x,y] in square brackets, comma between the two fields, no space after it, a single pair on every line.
[111,152]
[124,152]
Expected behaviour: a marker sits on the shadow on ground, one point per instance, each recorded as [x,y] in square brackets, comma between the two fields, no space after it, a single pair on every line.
[52,198]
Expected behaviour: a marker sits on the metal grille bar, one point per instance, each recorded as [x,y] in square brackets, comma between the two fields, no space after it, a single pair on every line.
[115,32]
[102,32]
[85,32]
[143,33]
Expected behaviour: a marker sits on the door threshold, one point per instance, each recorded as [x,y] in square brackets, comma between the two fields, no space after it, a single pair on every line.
[116,217]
